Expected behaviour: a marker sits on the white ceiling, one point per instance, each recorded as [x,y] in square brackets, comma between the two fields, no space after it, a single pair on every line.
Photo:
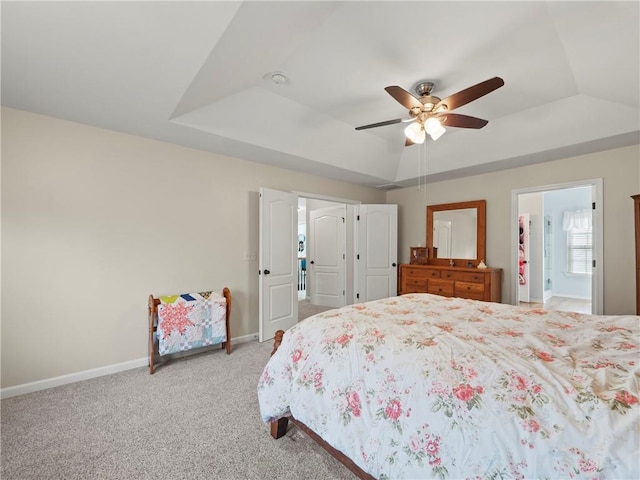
[198,74]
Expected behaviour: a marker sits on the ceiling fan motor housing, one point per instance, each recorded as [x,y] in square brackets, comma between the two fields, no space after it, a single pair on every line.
[424,88]
[429,102]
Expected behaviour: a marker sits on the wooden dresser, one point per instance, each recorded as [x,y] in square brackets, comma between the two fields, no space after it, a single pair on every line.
[473,283]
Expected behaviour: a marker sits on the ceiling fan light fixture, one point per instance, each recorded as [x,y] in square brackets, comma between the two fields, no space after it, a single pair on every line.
[434,128]
[438,133]
[415,132]
[432,125]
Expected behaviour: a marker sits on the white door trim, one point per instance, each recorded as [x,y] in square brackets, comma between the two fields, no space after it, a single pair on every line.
[350,246]
[596,184]
[327,198]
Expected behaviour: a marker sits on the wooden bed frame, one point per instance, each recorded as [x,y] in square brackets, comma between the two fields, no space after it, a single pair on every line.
[153,327]
[279,429]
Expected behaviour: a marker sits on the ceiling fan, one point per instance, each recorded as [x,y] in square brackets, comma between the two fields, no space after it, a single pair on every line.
[429,114]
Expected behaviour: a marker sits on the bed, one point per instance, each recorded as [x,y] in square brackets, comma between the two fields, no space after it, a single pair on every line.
[423,386]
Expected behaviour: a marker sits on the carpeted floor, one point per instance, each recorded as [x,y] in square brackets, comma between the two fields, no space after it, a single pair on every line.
[195,418]
[306,309]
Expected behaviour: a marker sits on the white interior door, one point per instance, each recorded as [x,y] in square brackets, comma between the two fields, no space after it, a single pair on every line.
[277,290]
[326,256]
[377,252]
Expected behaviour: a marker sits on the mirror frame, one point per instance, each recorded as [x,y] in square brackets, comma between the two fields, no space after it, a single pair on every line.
[481,207]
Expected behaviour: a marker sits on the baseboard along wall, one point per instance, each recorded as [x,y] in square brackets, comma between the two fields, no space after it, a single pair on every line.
[94,372]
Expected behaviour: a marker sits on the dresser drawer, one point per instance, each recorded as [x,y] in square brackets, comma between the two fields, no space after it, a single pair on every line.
[463,276]
[440,287]
[420,272]
[419,282]
[413,289]
[429,273]
[470,290]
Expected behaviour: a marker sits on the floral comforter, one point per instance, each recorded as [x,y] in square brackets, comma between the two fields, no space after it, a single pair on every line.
[422,386]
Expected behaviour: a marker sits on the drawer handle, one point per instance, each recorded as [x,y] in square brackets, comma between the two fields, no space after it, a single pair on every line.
[468,288]
[439,289]
[476,277]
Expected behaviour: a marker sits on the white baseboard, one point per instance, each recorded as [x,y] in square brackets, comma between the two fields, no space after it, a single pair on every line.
[92,373]
[71,378]
[564,295]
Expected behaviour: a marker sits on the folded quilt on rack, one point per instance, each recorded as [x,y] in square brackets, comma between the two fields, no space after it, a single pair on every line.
[191,320]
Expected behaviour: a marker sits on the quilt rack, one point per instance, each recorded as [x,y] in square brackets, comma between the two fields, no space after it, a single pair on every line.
[153,326]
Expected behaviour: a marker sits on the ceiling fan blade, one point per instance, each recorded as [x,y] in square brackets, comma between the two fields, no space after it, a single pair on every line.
[403,97]
[470,94]
[460,121]
[380,124]
[407,142]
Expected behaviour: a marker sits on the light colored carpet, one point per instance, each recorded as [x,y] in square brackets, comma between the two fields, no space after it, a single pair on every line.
[195,418]
[306,309]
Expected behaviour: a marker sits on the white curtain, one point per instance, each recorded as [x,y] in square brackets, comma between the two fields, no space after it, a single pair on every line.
[579,220]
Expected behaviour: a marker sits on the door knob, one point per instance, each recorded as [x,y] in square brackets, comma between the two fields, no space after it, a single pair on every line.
[312,262]
[267,272]
[393,264]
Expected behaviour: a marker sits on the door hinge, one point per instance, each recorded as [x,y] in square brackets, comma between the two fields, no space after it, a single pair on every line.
[342,219]
[593,263]
[593,206]
[259,272]
[357,295]
[343,293]
[358,218]
[343,256]
[358,257]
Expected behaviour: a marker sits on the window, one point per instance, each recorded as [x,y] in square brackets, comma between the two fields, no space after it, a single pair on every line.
[577,224]
[579,248]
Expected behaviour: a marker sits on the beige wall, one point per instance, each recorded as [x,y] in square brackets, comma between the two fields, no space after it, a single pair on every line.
[620,171]
[93,221]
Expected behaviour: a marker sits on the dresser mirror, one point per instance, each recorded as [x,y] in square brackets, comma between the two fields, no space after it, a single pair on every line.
[456,233]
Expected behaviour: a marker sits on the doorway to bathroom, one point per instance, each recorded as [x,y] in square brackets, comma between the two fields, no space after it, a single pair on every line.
[557,247]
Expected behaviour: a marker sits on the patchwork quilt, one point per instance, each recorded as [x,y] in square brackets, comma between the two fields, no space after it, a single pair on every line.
[191,320]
